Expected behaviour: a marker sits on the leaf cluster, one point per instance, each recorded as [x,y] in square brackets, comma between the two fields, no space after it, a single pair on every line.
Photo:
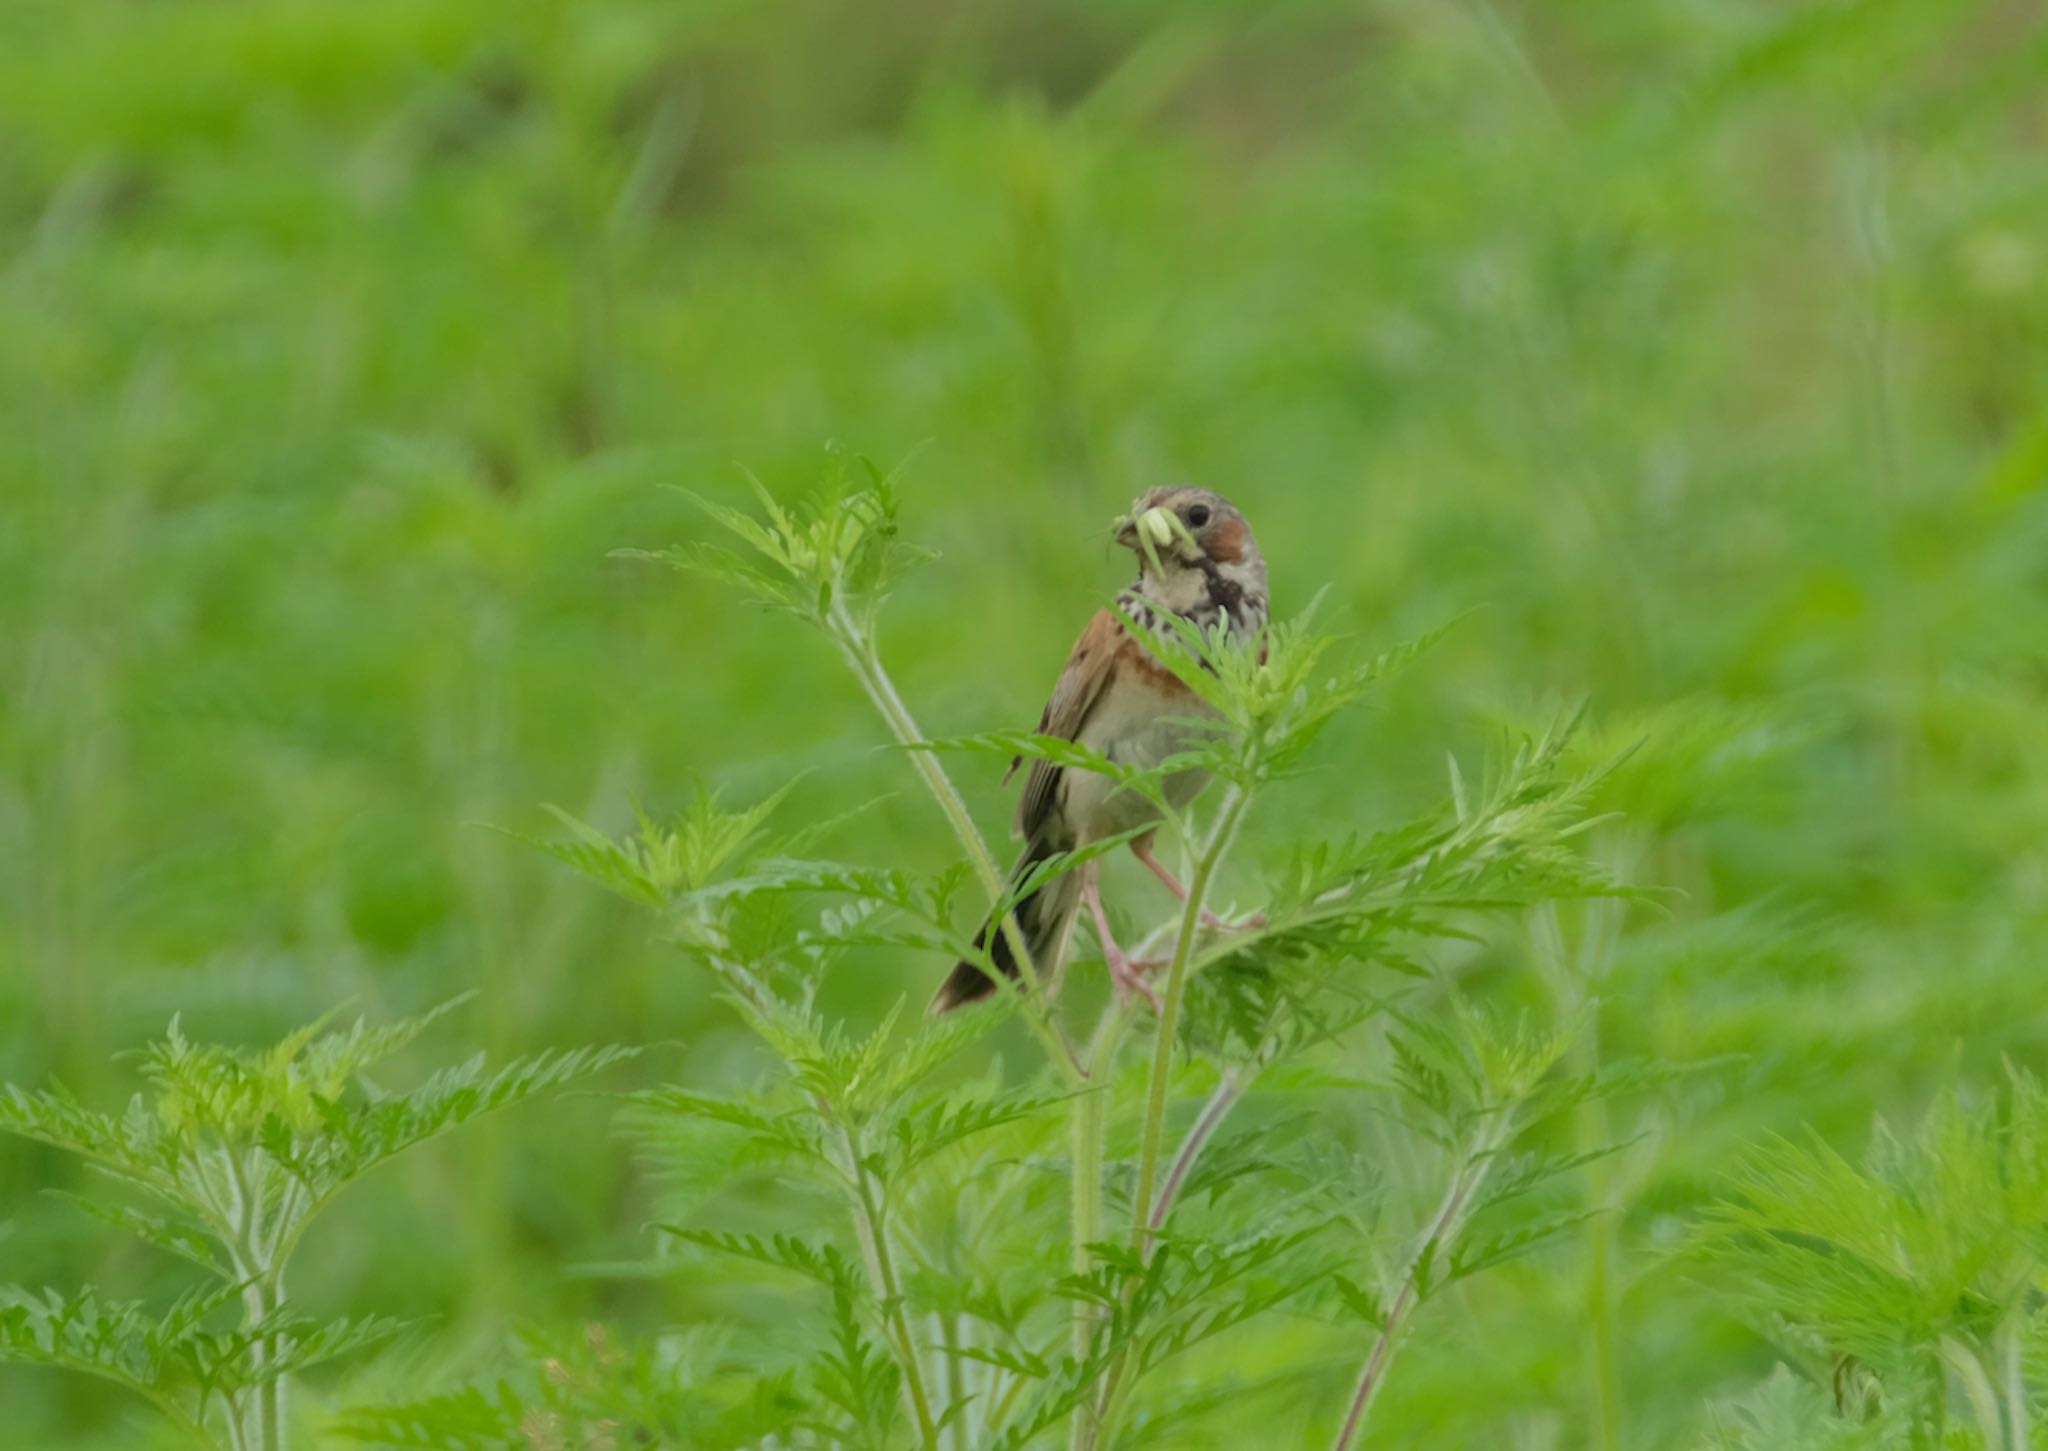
[1336,907]
[228,1156]
[835,554]
[1911,1269]
[193,1361]
[938,1300]
[592,1390]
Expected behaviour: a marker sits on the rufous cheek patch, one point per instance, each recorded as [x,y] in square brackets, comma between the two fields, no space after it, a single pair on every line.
[1226,542]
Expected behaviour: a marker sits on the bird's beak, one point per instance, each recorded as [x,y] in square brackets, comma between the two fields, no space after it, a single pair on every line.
[1155,527]
[1151,531]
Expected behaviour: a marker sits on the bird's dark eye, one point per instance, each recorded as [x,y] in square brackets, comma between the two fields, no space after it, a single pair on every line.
[1198,516]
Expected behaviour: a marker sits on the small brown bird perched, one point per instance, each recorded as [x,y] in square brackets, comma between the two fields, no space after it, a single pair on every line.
[1196,559]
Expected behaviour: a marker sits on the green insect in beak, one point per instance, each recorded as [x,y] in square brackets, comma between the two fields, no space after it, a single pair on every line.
[1154,530]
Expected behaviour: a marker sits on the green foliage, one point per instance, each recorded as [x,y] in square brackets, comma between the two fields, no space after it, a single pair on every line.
[589,1392]
[1787,1414]
[830,561]
[1912,1277]
[1271,692]
[880,1122]
[660,863]
[198,1376]
[236,1152]
[1337,906]
[1690,356]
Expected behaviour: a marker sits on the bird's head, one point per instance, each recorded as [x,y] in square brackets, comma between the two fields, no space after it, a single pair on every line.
[1183,532]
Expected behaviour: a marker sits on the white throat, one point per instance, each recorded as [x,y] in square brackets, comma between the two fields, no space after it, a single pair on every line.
[1178,587]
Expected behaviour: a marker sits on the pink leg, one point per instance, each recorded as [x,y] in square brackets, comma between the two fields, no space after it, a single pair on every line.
[1128,976]
[1141,848]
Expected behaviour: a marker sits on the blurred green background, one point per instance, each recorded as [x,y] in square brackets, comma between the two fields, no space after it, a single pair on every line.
[1696,346]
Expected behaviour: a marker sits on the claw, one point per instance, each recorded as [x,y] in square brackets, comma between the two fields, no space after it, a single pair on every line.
[1128,978]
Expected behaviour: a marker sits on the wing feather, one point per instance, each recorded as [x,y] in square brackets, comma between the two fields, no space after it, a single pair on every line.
[1080,686]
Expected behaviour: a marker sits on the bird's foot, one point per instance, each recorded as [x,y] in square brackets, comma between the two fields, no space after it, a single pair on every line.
[1128,978]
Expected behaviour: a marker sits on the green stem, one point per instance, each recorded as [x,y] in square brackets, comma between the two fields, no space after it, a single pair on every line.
[274,1389]
[1089,1130]
[866,663]
[1090,1426]
[1093,1414]
[1154,1131]
[264,1415]
[1443,1229]
[1570,976]
[1600,1309]
[956,1388]
[873,1233]
[1000,1411]
[1227,1092]
[1969,1368]
[2019,1429]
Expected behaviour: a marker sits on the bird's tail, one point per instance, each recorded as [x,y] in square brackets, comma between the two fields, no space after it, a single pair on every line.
[1042,921]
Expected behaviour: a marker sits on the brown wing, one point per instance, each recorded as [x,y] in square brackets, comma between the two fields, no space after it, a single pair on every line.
[1079,687]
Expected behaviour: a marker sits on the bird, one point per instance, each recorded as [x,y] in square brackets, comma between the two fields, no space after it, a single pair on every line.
[1196,559]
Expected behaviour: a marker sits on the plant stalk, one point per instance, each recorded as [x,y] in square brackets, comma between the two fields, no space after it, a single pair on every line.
[1976,1380]
[264,1415]
[1091,1416]
[874,677]
[956,1388]
[1089,1423]
[866,663]
[1570,976]
[873,1233]
[2018,1428]
[1220,1102]
[1443,1229]
[1089,1129]
[1213,851]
